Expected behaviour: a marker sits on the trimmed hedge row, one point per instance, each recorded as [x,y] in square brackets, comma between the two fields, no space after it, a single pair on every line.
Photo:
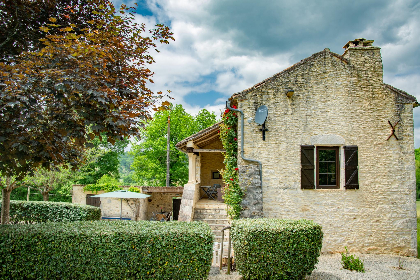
[30,212]
[106,250]
[276,249]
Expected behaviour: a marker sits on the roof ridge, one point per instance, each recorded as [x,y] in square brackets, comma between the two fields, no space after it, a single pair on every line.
[290,68]
[200,133]
[401,92]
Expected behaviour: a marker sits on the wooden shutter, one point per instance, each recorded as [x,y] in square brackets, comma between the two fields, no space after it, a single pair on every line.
[307,167]
[94,201]
[351,167]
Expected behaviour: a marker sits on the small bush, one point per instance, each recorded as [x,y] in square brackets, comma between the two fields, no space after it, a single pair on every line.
[107,187]
[351,262]
[276,249]
[106,250]
[30,212]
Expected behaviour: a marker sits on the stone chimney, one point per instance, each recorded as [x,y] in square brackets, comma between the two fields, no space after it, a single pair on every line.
[366,59]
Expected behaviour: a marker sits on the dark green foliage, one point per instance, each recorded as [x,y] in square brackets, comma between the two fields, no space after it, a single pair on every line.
[417,156]
[351,262]
[102,187]
[107,163]
[149,162]
[276,249]
[46,211]
[126,173]
[106,250]
[418,237]
[58,195]
[233,192]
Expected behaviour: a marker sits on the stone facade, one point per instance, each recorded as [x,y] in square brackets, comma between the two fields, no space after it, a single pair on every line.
[338,101]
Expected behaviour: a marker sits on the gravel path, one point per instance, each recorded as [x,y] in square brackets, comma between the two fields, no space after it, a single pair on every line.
[378,267]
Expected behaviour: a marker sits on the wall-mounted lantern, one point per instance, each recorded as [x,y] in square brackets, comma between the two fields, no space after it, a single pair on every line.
[289,93]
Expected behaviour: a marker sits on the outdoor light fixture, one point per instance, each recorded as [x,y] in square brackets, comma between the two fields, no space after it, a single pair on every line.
[290,92]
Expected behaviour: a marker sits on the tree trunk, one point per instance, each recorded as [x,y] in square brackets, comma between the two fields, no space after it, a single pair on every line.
[5,206]
[29,193]
[45,196]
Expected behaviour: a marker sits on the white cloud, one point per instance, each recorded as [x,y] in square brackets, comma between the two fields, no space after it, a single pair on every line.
[228,46]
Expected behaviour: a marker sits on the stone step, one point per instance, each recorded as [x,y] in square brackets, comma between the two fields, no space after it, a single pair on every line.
[210,211]
[218,237]
[213,221]
[219,206]
[217,227]
[213,216]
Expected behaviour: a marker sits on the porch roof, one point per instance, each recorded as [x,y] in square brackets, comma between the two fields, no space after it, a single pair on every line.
[201,138]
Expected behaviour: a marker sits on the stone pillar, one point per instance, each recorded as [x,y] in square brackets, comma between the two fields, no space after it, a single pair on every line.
[192,176]
[191,193]
[144,203]
[189,199]
[78,195]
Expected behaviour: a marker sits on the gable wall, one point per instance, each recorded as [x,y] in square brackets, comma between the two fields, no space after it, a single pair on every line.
[333,98]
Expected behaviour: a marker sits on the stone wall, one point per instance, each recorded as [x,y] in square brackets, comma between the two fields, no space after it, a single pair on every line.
[160,202]
[334,99]
[111,207]
[210,162]
[161,199]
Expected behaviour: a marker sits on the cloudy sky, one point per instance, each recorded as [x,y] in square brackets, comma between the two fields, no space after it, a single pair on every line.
[225,46]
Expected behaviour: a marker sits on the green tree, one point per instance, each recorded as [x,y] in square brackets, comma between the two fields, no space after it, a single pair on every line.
[126,173]
[88,76]
[102,159]
[149,163]
[47,180]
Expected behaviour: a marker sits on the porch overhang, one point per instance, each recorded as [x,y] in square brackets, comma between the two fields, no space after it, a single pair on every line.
[200,140]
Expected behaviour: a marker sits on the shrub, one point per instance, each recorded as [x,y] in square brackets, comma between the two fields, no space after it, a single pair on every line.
[46,211]
[351,262]
[106,250]
[276,249]
[107,187]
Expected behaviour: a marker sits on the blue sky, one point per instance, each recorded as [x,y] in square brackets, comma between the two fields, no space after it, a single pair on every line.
[225,46]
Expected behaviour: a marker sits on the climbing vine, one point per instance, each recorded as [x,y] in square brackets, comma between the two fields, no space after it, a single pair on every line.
[229,136]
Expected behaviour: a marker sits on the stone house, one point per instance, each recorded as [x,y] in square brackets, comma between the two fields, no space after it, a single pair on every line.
[339,150]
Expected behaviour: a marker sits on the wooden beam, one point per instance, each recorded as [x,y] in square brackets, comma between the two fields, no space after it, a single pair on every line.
[162,189]
[209,150]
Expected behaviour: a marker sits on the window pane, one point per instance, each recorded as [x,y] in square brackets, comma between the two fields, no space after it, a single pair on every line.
[327,155]
[327,167]
[323,167]
[331,179]
[323,179]
[331,168]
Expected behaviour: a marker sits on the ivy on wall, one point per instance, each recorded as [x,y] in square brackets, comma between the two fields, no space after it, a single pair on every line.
[233,193]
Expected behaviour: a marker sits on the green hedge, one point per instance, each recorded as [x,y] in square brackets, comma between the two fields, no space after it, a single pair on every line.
[276,249]
[46,211]
[106,250]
